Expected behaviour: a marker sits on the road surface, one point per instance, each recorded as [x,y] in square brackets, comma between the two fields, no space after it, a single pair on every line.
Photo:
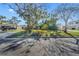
[33,47]
[5,34]
[50,47]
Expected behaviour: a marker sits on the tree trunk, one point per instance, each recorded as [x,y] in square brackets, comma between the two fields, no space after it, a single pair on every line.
[65,30]
[29,28]
[16,26]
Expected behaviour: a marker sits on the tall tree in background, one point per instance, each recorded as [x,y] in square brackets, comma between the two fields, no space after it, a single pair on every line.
[14,21]
[53,21]
[66,11]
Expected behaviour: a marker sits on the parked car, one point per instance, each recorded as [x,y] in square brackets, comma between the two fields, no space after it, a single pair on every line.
[6,27]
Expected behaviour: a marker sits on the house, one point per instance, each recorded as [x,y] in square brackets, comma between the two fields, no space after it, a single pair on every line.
[73,25]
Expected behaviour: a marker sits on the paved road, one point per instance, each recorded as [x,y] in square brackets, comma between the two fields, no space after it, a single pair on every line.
[5,34]
[51,47]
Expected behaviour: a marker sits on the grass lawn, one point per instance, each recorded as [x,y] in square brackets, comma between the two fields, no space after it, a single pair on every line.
[74,32]
[44,32]
[16,35]
[71,32]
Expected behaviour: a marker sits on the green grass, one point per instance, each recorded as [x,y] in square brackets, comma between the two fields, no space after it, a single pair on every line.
[16,35]
[74,33]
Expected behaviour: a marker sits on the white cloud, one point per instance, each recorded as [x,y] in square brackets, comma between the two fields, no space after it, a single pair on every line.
[11,10]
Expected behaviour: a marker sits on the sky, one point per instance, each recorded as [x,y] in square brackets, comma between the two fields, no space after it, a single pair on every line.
[5,10]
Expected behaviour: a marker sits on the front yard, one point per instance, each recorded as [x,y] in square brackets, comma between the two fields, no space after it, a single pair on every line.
[45,33]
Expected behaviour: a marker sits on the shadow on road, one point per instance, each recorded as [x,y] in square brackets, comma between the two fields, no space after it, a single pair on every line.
[77,40]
